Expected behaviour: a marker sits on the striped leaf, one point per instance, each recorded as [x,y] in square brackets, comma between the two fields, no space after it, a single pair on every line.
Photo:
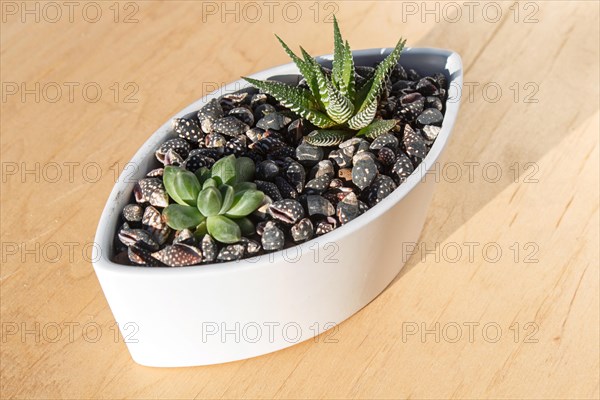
[364,117]
[369,92]
[326,138]
[340,108]
[347,81]
[297,99]
[377,128]
[304,68]
[323,96]
[338,56]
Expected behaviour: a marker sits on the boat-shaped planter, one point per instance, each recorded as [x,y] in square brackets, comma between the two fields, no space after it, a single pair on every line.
[208,314]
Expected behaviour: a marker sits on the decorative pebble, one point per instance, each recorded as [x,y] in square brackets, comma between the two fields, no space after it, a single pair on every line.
[231,252]
[272,237]
[288,211]
[308,154]
[387,139]
[151,190]
[179,145]
[296,175]
[363,172]
[188,128]
[209,248]
[402,168]
[208,114]
[133,212]
[302,231]
[413,143]
[431,116]
[229,126]
[179,255]
[267,170]
[318,185]
[347,209]
[275,121]
[318,205]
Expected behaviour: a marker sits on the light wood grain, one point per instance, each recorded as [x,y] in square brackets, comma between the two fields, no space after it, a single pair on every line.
[173,57]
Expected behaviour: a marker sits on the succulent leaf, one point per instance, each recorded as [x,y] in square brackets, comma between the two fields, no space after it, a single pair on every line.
[202,174]
[201,230]
[181,185]
[377,128]
[323,96]
[210,182]
[243,186]
[340,108]
[347,80]
[246,226]
[225,169]
[210,201]
[244,203]
[297,99]
[327,137]
[223,229]
[364,117]
[383,69]
[244,169]
[227,194]
[338,55]
[180,217]
[303,67]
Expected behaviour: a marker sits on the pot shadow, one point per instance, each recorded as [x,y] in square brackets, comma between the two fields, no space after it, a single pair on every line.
[514,135]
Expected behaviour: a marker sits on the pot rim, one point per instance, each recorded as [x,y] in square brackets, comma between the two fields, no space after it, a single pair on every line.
[104,236]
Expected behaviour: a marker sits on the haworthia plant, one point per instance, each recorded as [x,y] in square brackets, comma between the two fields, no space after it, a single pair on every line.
[335,104]
[215,201]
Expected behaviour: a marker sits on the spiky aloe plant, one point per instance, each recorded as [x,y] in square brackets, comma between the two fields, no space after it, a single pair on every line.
[335,104]
[215,201]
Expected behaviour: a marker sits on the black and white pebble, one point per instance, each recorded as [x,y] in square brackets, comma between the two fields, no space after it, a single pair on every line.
[243,114]
[133,212]
[402,168]
[308,154]
[318,185]
[319,206]
[272,237]
[196,160]
[208,246]
[303,230]
[364,172]
[296,175]
[431,116]
[209,114]
[275,121]
[267,170]
[385,140]
[382,187]
[287,211]
[151,190]
[269,189]
[188,129]
[139,238]
[229,126]
[179,145]
[231,252]
[431,132]
[414,144]
[347,208]
[179,255]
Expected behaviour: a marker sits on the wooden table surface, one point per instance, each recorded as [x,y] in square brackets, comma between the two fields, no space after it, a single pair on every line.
[501,299]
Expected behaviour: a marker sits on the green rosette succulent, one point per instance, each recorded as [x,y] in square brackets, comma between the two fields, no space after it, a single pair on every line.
[215,201]
[335,103]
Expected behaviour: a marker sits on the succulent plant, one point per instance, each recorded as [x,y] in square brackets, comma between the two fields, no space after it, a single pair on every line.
[336,104]
[215,201]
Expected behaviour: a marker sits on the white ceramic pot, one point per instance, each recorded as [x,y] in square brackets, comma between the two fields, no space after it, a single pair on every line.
[172,317]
